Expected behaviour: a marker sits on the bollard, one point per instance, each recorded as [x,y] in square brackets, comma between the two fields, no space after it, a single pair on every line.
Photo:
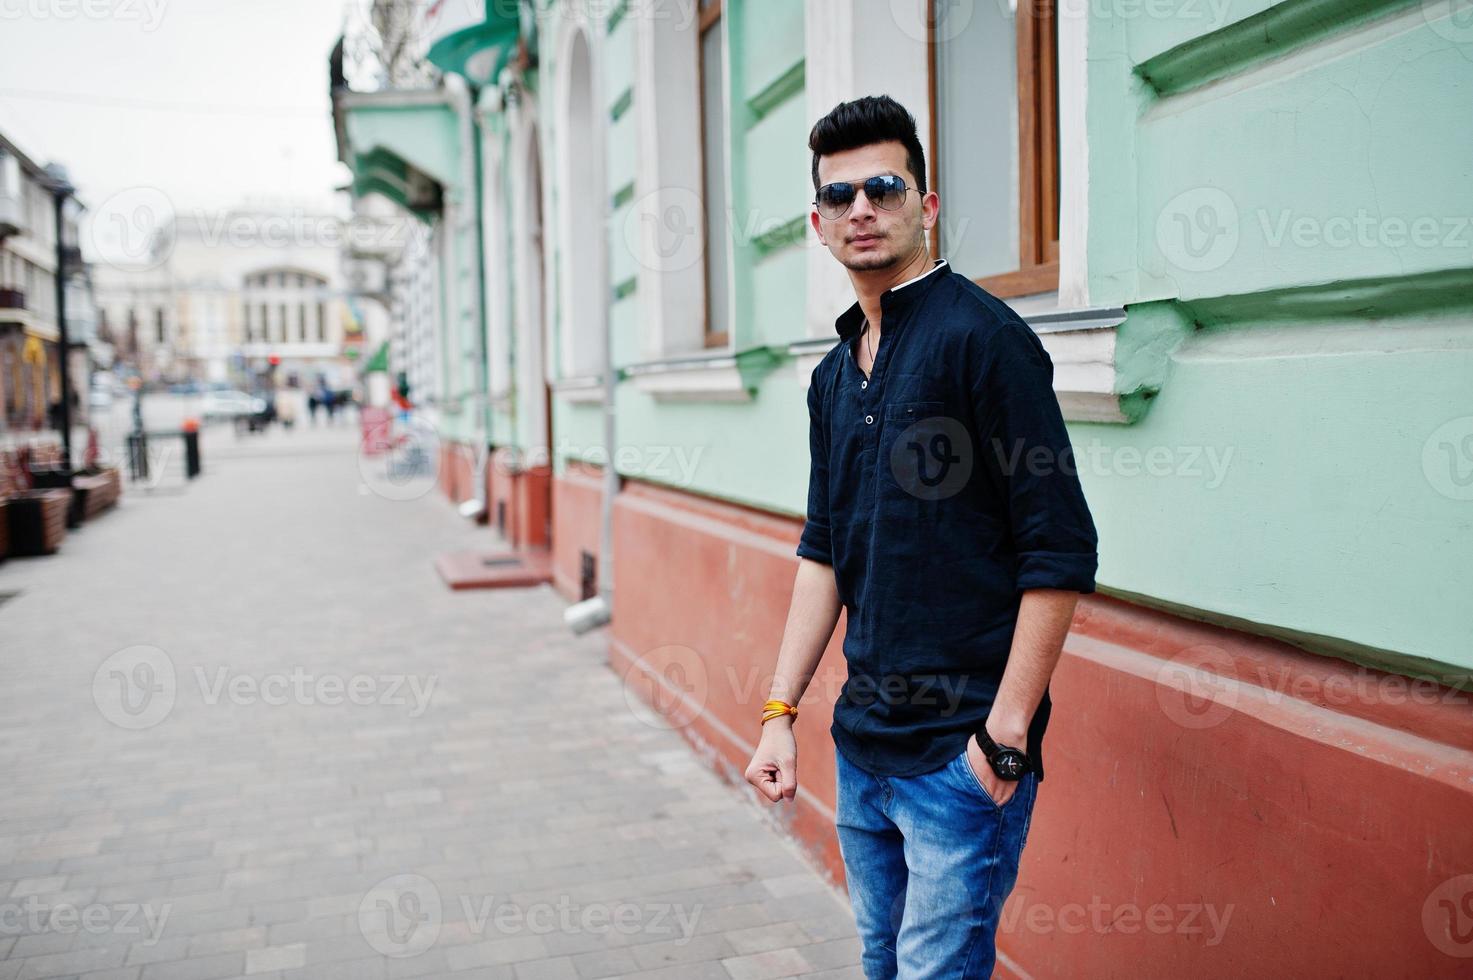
[191,454]
[191,448]
[137,456]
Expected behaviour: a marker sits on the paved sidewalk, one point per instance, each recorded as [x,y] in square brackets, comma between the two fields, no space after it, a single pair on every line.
[184,792]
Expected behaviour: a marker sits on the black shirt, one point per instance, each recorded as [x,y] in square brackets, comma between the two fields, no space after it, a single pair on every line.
[941,487]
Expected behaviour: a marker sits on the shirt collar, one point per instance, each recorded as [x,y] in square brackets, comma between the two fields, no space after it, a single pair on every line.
[894,298]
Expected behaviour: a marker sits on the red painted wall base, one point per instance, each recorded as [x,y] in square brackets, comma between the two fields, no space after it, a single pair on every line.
[457,471]
[577,497]
[1217,804]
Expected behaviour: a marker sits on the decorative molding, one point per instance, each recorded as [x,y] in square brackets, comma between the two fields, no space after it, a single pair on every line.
[790,232]
[705,377]
[581,390]
[1280,29]
[621,104]
[777,91]
[1083,345]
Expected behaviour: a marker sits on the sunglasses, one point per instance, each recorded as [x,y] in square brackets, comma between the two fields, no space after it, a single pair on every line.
[885,191]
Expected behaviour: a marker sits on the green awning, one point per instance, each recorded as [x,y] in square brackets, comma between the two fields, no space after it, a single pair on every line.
[481,50]
[379,361]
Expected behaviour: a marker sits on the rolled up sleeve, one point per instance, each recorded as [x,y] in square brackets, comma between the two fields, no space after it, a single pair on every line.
[814,542]
[1026,448]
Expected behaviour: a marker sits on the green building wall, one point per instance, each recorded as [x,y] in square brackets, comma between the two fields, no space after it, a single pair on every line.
[1285,478]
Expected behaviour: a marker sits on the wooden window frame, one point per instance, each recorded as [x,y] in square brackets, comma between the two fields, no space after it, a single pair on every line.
[1038,151]
[710,20]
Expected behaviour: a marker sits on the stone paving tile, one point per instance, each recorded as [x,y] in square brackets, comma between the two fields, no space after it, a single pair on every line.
[249,729]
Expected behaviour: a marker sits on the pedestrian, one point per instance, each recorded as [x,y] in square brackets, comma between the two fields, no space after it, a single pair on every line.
[946,517]
[330,402]
[312,408]
[286,407]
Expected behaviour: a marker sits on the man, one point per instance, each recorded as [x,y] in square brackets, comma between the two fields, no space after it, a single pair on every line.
[946,517]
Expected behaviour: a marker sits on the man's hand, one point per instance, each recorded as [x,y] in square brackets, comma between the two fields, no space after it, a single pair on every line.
[1001,790]
[774,766]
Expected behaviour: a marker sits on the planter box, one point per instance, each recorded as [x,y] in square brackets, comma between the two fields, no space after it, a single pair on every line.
[36,520]
[98,491]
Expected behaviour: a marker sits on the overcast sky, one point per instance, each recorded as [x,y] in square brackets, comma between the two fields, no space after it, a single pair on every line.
[211,102]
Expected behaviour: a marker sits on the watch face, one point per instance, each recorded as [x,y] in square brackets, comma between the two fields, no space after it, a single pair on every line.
[1009,764]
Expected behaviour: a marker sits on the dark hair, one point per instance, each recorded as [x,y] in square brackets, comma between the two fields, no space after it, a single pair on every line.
[872,119]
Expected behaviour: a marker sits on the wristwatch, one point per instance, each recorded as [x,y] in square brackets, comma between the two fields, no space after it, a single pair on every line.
[1007,762]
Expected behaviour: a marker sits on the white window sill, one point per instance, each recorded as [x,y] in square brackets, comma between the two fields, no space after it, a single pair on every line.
[580,390]
[1081,343]
[712,377]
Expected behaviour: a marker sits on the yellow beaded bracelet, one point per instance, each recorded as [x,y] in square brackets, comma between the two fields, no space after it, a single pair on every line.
[776,709]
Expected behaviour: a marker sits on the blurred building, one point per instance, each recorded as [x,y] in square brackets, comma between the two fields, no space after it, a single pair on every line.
[217,295]
[1241,235]
[30,337]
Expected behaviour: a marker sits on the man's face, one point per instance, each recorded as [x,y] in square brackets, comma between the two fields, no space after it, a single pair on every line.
[867,237]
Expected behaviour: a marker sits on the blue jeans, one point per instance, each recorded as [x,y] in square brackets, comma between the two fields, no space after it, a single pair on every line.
[929,861]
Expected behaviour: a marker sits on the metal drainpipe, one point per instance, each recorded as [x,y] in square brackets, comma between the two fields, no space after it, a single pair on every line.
[462,95]
[599,611]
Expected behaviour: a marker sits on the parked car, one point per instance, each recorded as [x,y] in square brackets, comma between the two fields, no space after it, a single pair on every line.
[230,405]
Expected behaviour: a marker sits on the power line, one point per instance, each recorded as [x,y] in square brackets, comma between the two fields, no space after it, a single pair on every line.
[153,105]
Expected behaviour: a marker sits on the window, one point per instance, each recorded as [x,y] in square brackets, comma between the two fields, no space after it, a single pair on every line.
[245,322]
[158,321]
[285,331]
[995,160]
[265,325]
[713,160]
[302,322]
[321,322]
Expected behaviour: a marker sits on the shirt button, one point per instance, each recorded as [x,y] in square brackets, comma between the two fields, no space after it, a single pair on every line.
[864,383]
[869,420]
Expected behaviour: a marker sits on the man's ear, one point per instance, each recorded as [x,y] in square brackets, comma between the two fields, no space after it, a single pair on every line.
[817,223]
[930,210]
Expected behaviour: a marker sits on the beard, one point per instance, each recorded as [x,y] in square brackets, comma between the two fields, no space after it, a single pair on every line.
[875,258]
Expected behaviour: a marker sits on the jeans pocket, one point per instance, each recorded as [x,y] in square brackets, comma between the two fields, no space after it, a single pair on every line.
[971,777]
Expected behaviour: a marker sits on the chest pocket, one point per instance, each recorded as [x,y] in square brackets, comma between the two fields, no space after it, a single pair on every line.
[911,411]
